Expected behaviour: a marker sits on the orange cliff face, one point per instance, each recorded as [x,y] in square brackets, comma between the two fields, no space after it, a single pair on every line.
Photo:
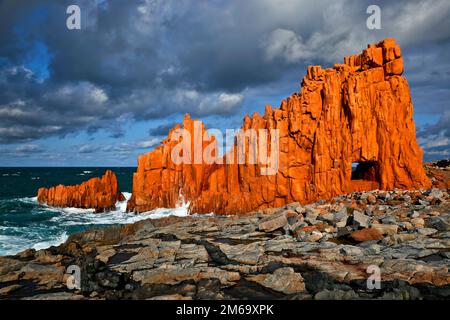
[100,194]
[356,112]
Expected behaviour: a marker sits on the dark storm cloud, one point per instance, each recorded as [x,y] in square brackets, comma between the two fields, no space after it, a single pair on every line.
[161,130]
[22,151]
[442,127]
[435,138]
[151,59]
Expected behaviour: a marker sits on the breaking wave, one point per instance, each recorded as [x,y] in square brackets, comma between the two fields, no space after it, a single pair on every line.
[28,224]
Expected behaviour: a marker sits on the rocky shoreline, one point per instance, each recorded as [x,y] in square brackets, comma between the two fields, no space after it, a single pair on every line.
[317,251]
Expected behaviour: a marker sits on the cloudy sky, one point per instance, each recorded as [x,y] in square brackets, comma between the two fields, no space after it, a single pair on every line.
[101,95]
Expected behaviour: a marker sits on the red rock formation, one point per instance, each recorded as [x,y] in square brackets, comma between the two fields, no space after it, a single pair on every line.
[356,112]
[366,234]
[100,194]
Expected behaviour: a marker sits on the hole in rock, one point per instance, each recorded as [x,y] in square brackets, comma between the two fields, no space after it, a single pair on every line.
[365,176]
[365,171]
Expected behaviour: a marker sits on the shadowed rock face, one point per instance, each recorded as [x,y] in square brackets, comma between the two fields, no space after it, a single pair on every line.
[356,112]
[100,194]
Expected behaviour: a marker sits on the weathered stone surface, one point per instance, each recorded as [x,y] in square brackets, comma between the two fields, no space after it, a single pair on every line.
[284,280]
[438,223]
[216,257]
[418,222]
[341,218]
[359,111]
[243,253]
[426,231]
[360,219]
[367,234]
[174,275]
[314,236]
[100,194]
[273,223]
[385,228]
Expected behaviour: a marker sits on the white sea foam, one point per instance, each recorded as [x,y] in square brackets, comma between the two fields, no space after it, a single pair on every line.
[76,216]
[29,199]
[10,244]
[52,242]
[85,172]
[122,205]
[62,220]
[16,244]
[164,212]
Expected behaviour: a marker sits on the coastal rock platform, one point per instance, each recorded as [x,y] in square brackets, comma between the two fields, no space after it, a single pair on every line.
[325,250]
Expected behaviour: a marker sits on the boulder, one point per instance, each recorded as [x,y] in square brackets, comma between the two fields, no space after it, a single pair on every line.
[314,236]
[284,280]
[438,223]
[360,219]
[341,218]
[273,223]
[426,231]
[394,67]
[366,234]
[386,229]
[328,217]
[311,217]
[435,193]
[418,222]
[371,199]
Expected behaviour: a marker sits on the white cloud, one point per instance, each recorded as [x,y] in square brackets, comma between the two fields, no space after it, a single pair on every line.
[148,143]
[87,148]
[98,95]
[222,103]
[28,148]
[84,92]
[419,21]
[437,141]
[286,44]
[11,112]
[229,101]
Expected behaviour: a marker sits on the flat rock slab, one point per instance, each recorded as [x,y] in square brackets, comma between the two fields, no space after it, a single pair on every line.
[251,257]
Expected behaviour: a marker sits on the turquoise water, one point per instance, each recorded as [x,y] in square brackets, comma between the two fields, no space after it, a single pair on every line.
[24,223]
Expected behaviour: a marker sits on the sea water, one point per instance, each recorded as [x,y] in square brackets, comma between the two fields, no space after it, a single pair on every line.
[24,223]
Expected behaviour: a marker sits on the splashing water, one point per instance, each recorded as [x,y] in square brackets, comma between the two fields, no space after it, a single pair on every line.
[50,226]
[24,223]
